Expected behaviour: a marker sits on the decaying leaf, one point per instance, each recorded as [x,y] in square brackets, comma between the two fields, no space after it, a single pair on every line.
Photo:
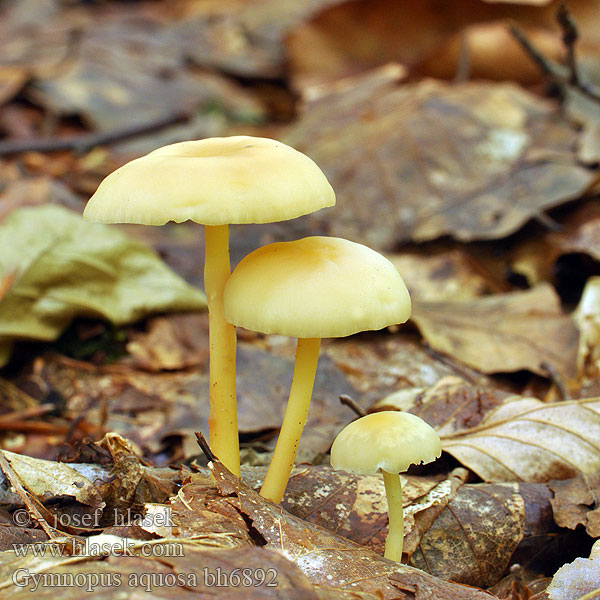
[576,503]
[447,523]
[503,332]
[35,192]
[112,568]
[329,560]
[65,267]
[45,479]
[380,365]
[525,439]
[474,161]
[146,407]
[451,405]
[577,580]
[245,39]
[450,275]
[174,342]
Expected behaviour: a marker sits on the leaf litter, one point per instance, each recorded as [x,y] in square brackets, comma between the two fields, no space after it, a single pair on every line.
[484,348]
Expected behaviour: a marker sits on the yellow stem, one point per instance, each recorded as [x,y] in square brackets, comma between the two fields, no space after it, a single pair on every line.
[395,538]
[307,356]
[222,418]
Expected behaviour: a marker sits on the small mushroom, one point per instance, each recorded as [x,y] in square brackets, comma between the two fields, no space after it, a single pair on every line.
[309,289]
[215,181]
[388,441]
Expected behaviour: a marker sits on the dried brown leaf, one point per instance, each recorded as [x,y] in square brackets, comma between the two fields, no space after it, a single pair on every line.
[451,405]
[176,404]
[449,275]
[173,342]
[329,560]
[447,524]
[576,502]
[578,580]
[156,569]
[245,39]
[46,479]
[380,365]
[525,439]
[504,332]
[474,161]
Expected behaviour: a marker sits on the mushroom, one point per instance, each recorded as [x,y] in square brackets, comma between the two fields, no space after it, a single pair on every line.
[215,182]
[388,441]
[309,289]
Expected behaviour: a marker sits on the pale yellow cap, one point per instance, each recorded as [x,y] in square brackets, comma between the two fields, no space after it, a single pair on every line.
[388,440]
[315,287]
[216,181]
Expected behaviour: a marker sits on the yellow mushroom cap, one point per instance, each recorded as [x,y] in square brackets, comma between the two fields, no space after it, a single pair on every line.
[215,181]
[315,287]
[387,440]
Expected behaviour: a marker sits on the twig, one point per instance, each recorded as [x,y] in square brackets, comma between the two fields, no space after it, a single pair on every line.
[87,141]
[350,403]
[570,37]
[210,457]
[449,362]
[557,73]
[548,67]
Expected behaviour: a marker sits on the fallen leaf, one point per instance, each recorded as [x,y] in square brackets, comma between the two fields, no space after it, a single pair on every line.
[330,560]
[503,332]
[496,157]
[378,365]
[447,523]
[489,51]
[353,37]
[580,231]
[525,439]
[166,569]
[65,267]
[577,580]
[174,342]
[576,503]
[176,404]
[245,39]
[451,405]
[131,68]
[36,192]
[44,479]
[450,275]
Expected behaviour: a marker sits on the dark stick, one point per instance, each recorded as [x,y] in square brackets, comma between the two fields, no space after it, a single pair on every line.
[557,74]
[205,448]
[87,141]
[570,37]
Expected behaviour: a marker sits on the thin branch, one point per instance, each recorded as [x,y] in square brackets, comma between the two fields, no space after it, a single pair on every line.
[87,141]
[210,457]
[570,37]
[350,403]
[553,71]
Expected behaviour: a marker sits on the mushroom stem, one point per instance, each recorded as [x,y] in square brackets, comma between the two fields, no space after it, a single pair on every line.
[294,419]
[222,418]
[395,538]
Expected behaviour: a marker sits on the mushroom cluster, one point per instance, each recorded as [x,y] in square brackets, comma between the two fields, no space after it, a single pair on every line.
[215,182]
[311,288]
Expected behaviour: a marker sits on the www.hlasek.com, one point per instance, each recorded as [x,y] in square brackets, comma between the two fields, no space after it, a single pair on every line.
[217,577]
